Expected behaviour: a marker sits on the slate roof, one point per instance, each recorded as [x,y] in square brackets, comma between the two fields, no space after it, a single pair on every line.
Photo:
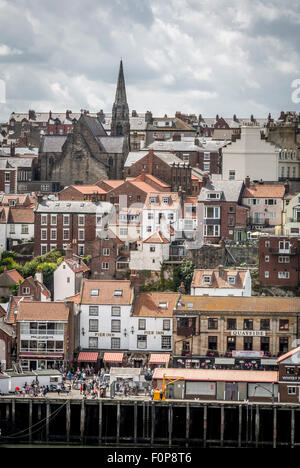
[231,190]
[81,207]
[168,158]
[111,144]
[94,125]
[52,143]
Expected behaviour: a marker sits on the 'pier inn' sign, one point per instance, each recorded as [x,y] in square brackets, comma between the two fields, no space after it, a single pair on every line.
[247,333]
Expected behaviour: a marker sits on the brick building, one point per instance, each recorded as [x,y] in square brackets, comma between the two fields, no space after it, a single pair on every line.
[59,223]
[83,193]
[165,166]
[105,252]
[224,215]
[289,376]
[206,155]
[7,341]
[279,261]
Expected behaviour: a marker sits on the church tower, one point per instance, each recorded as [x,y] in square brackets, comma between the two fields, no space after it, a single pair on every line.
[120,125]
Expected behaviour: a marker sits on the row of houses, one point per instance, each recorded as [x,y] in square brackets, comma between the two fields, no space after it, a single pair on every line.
[114,316]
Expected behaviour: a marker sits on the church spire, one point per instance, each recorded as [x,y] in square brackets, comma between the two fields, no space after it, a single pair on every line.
[120,111]
[121,90]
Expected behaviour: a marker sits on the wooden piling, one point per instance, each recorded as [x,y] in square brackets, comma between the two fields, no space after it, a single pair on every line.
[204,426]
[13,411]
[187,425]
[222,425]
[293,428]
[30,422]
[256,426]
[274,426]
[118,421]
[68,420]
[47,420]
[135,421]
[170,424]
[152,423]
[100,421]
[82,420]
[240,426]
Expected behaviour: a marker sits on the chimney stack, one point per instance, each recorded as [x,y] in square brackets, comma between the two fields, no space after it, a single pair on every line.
[150,160]
[69,252]
[247,181]
[221,271]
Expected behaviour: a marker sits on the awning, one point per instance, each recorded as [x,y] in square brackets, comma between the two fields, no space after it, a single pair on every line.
[159,359]
[269,362]
[113,357]
[225,361]
[40,356]
[87,357]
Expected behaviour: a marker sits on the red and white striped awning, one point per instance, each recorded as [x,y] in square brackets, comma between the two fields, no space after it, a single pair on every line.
[87,357]
[113,357]
[159,359]
[40,356]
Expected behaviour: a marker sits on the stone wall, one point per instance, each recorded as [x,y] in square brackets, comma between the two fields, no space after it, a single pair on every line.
[211,256]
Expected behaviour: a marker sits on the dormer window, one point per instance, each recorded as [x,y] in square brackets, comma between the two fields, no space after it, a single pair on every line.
[95,292]
[153,199]
[162,305]
[206,279]
[213,195]
[118,292]
[166,200]
[231,279]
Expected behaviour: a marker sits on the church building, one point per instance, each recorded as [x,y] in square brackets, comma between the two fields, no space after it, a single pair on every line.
[88,154]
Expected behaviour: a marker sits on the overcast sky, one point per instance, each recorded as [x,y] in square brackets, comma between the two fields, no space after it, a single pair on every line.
[196,56]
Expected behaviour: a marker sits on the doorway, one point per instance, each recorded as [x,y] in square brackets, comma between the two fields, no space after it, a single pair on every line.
[231,391]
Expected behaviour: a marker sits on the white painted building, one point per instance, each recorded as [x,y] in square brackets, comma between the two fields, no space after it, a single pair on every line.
[151,326]
[68,276]
[105,310]
[250,155]
[151,253]
[220,282]
[161,212]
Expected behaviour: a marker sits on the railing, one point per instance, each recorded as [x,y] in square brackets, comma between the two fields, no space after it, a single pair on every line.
[42,332]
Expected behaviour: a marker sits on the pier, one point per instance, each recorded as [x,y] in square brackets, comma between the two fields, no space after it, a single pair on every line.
[146,423]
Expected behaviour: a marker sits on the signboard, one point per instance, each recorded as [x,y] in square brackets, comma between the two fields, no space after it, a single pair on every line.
[248,354]
[247,333]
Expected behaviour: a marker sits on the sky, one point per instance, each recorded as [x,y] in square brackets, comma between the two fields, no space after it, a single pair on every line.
[205,57]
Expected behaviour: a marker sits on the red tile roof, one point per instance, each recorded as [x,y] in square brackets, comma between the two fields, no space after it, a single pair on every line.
[156,238]
[106,292]
[155,304]
[217,281]
[264,191]
[14,275]
[56,311]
